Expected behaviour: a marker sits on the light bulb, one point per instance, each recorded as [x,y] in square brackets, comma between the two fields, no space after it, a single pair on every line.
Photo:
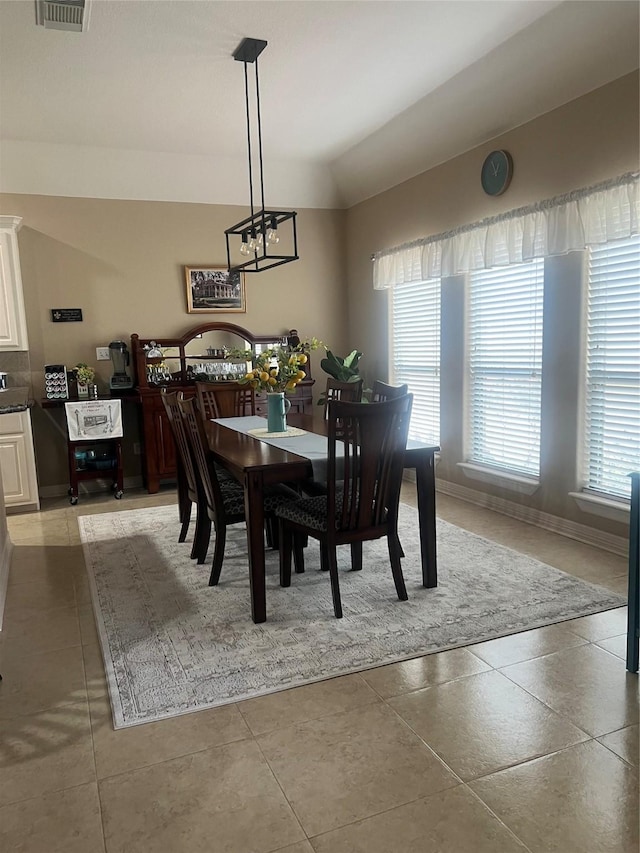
[259,239]
[253,241]
[244,248]
[272,233]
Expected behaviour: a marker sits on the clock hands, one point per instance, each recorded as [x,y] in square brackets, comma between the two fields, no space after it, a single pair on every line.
[495,168]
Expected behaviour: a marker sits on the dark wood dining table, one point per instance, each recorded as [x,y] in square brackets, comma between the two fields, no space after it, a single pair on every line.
[257,464]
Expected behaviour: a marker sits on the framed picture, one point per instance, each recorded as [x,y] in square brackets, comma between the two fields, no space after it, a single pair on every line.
[213,290]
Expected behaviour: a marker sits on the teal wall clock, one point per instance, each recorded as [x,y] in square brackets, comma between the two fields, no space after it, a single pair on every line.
[497,171]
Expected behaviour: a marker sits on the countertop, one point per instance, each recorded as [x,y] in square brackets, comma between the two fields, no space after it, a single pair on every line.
[15,400]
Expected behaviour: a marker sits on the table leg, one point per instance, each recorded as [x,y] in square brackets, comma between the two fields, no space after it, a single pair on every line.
[254,513]
[426,490]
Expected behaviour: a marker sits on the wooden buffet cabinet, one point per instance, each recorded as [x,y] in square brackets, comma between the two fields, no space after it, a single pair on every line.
[176,364]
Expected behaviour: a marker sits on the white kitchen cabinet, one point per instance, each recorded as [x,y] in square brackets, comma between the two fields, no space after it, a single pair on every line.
[17,461]
[13,324]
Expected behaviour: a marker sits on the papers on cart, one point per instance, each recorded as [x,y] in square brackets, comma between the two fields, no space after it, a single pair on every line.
[93,419]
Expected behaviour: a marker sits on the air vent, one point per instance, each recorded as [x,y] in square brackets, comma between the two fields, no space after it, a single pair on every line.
[72,15]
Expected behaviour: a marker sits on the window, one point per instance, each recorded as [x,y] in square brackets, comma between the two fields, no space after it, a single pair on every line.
[612,416]
[416,353]
[505,367]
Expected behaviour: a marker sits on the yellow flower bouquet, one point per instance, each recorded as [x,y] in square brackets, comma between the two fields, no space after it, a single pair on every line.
[276,370]
[279,369]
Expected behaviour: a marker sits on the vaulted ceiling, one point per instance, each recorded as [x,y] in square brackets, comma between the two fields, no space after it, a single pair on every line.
[356,96]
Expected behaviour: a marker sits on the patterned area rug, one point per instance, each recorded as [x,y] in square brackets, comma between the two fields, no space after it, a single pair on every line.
[172,644]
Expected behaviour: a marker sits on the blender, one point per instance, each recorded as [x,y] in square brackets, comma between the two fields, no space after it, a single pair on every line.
[120,359]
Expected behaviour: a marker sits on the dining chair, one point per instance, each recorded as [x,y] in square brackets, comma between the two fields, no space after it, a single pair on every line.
[223,499]
[382,391]
[188,493]
[363,490]
[225,399]
[348,392]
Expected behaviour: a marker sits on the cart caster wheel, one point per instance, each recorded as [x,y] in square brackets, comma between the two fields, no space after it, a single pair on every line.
[73,500]
[117,495]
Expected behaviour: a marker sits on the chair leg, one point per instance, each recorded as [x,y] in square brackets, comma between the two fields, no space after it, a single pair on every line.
[285,534]
[271,530]
[396,566]
[202,536]
[186,518]
[332,560]
[299,544]
[218,554]
[324,560]
[356,556]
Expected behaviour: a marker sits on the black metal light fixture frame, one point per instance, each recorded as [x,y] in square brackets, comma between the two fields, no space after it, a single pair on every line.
[261,221]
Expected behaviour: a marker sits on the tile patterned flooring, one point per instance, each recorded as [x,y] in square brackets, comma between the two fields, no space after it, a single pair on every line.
[525,743]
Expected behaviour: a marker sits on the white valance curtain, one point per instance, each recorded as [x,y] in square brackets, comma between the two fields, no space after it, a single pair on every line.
[607,211]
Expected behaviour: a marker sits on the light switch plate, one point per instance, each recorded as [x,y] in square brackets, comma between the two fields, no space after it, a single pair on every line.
[102,353]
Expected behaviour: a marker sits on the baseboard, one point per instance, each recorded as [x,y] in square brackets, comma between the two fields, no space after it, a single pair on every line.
[571,529]
[89,487]
[5,564]
[19,509]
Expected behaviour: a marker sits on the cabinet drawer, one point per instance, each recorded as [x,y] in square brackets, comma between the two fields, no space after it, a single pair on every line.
[12,423]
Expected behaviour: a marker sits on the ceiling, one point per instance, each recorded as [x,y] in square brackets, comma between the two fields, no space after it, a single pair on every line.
[356,96]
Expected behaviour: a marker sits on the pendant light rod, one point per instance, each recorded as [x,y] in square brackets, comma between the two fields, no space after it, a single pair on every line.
[246,95]
[259,139]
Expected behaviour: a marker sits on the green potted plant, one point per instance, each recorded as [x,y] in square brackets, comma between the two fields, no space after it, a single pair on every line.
[343,369]
[85,377]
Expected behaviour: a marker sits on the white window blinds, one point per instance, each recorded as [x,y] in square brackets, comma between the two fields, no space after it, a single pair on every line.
[415,355]
[612,439]
[505,367]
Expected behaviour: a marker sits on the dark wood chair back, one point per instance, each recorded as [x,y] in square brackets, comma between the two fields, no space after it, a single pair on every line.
[205,471]
[187,481]
[225,399]
[382,391]
[346,391]
[221,509]
[363,486]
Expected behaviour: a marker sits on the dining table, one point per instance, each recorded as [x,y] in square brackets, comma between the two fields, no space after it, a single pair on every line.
[256,463]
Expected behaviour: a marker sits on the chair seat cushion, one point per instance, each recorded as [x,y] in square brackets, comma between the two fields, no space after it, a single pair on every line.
[310,512]
[274,497]
[223,475]
[232,496]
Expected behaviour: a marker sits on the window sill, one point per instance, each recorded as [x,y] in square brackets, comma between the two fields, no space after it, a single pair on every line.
[513,482]
[613,510]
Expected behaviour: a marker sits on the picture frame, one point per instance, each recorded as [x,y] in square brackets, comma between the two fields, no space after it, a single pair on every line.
[213,290]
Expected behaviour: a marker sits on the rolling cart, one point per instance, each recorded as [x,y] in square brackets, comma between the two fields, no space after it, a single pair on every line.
[94,433]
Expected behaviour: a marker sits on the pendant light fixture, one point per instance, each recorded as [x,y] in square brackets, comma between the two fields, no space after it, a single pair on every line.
[266,238]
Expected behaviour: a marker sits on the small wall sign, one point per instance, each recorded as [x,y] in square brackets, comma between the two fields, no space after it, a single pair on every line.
[66,315]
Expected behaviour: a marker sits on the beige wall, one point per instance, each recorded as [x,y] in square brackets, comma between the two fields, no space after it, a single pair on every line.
[588,140]
[122,263]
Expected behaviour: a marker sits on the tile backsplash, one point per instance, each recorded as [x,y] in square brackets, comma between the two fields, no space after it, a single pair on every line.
[16,366]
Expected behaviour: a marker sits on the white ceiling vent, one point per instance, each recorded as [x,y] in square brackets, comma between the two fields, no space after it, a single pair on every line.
[70,15]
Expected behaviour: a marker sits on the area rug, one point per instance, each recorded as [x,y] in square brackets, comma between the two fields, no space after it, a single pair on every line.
[172,645]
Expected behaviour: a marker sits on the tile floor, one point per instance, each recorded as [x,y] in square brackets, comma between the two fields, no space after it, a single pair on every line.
[526,743]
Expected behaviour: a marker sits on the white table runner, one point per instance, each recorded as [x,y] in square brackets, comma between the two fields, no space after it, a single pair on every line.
[310,445]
